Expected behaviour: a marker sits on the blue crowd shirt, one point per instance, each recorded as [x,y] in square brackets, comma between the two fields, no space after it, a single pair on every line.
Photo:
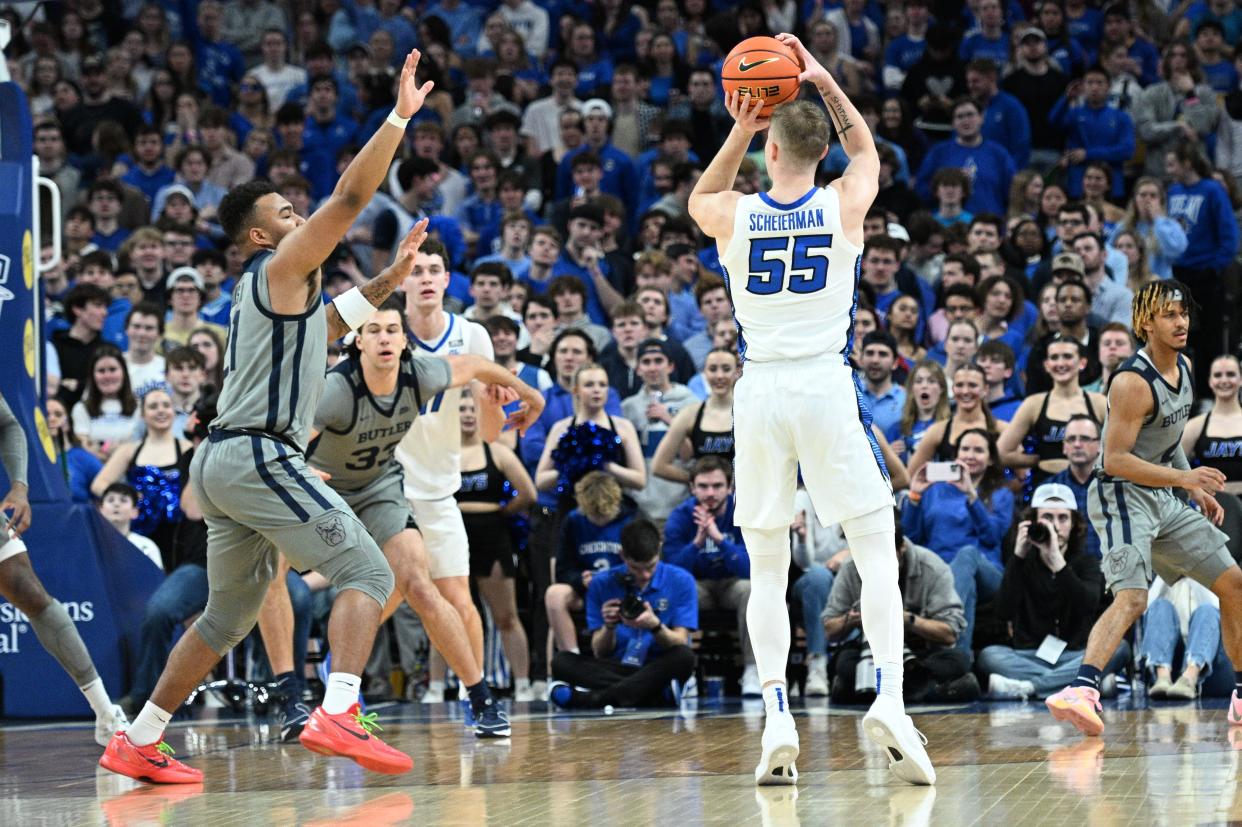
[1205,214]
[988,165]
[945,523]
[672,593]
[713,561]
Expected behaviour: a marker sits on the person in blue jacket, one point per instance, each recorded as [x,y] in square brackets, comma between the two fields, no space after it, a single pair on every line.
[1201,205]
[1005,119]
[988,164]
[964,520]
[1094,131]
[700,538]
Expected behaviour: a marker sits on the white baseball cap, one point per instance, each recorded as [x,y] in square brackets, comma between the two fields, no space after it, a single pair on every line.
[1054,495]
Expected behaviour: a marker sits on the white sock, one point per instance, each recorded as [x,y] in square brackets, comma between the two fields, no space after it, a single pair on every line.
[435,686]
[98,698]
[776,699]
[889,677]
[341,693]
[767,615]
[521,684]
[575,650]
[148,727]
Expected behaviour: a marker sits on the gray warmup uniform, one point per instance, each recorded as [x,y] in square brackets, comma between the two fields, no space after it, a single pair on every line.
[1146,531]
[251,479]
[359,432]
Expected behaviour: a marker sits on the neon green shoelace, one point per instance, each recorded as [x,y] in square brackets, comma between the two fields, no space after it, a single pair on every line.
[166,749]
[369,722]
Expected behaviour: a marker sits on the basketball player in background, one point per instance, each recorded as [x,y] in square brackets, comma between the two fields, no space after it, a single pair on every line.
[251,480]
[791,260]
[21,586]
[371,400]
[1144,527]
[430,452]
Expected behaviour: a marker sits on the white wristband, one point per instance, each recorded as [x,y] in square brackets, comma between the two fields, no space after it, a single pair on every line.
[353,308]
[396,120]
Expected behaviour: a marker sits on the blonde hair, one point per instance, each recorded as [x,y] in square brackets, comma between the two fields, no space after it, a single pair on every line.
[800,128]
[578,380]
[599,496]
[1154,297]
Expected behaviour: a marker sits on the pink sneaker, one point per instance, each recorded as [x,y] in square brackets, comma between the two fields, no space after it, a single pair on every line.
[1080,705]
[1235,710]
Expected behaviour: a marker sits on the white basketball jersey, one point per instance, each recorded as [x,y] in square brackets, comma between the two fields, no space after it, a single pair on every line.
[431,452]
[792,276]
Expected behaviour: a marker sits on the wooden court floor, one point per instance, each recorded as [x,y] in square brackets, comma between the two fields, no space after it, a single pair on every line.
[1007,764]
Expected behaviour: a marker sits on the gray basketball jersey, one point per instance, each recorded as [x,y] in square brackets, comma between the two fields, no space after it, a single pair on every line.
[359,432]
[1161,433]
[274,365]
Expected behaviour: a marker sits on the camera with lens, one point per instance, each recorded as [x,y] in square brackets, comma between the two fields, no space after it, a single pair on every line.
[1038,533]
[631,605]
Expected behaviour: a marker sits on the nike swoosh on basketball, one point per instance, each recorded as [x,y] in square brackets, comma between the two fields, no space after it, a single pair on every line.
[363,737]
[743,66]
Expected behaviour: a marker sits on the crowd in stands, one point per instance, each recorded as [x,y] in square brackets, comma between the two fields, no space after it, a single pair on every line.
[1040,161]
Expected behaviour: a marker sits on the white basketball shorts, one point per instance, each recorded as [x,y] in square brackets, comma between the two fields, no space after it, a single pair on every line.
[444,535]
[804,414]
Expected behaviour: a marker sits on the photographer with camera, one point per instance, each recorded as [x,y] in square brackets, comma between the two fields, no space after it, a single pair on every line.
[700,538]
[1051,594]
[932,615]
[640,616]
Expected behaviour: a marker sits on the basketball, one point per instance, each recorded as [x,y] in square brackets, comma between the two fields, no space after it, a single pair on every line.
[762,67]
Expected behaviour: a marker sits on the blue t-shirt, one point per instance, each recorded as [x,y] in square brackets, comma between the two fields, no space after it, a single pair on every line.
[979,45]
[989,166]
[587,546]
[673,596]
[1204,212]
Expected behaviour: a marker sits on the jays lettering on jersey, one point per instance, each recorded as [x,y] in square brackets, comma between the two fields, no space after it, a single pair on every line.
[431,451]
[792,276]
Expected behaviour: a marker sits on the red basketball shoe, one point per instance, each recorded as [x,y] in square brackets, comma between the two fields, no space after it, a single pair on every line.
[153,762]
[349,735]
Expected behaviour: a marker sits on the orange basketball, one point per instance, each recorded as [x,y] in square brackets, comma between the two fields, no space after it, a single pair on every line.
[762,67]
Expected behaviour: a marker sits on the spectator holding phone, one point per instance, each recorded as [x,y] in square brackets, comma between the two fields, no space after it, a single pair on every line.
[961,510]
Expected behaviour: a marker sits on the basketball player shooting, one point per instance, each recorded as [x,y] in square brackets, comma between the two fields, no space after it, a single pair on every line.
[251,479]
[791,259]
[1144,526]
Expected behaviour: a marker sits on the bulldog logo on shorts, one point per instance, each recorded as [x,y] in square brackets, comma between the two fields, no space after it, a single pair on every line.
[1117,561]
[331,530]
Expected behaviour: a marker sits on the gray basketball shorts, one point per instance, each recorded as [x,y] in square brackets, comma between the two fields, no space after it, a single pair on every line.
[1145,531]
[258,496]
[381,506]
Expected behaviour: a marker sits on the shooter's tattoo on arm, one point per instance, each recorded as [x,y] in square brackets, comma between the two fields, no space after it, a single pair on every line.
[840,117]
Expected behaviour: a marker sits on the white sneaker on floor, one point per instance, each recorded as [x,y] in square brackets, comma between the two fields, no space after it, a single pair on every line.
[751,688]
[539,689]
[1012,689]
[108,725]
[433,696]
[888,725]
[526,694]
[817,676]
[780,750]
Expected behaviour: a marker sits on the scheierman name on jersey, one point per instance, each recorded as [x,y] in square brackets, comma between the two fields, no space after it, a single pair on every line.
[785,221]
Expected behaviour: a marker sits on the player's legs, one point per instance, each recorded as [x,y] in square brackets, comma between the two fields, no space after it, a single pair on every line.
[559,600]
[408,558]
[448,559]
[276,622]
[497,591]
[52,625]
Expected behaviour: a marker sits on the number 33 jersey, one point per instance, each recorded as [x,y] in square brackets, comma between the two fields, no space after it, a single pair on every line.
[359,431]
[792,277]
